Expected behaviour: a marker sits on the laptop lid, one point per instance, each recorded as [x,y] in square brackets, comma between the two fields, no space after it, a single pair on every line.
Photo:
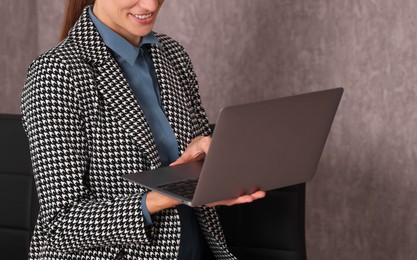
[266,145]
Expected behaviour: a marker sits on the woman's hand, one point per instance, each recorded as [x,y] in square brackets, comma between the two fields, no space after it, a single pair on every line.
[240,200]
[196,150]
[156,201]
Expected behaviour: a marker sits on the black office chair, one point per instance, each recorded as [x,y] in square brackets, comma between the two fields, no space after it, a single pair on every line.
[18,200]
[271,228]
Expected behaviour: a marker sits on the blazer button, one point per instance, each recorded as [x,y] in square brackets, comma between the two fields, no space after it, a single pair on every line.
[120,255]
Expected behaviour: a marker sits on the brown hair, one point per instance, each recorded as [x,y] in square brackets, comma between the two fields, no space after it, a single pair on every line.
[73,10]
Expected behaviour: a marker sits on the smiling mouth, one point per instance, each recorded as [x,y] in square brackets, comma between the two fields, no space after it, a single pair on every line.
[143,16]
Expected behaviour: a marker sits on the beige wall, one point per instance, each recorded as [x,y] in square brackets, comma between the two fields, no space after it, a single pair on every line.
[361,204]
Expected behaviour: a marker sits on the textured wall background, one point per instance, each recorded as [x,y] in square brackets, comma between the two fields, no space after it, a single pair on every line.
[18,47]
[361,204]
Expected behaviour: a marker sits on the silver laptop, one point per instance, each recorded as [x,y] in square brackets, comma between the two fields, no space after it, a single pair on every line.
[257,146]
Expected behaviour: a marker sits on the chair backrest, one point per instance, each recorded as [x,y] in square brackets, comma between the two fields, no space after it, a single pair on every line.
[18,200]
[271,228]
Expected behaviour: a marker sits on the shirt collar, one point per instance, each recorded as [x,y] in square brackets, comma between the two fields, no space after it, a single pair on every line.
[118,44]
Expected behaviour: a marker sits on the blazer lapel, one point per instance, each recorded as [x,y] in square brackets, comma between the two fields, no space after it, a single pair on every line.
[119,98]
[174,98]
[113,88]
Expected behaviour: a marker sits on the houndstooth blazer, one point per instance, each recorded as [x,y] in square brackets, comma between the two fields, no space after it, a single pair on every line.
[86,130]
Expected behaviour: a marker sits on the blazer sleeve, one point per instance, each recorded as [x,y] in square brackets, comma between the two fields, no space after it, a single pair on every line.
[70,218]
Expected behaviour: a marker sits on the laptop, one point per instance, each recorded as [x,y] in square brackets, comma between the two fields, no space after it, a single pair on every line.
[257,146]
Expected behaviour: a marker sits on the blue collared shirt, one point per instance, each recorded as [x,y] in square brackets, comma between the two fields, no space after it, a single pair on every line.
[136,65]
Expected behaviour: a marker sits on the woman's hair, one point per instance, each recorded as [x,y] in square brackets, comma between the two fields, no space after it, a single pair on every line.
[73,10]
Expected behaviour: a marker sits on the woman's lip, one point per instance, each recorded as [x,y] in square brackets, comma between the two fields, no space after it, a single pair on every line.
[143,18]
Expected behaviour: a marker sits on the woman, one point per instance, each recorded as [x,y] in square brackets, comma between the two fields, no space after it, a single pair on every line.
[115,98]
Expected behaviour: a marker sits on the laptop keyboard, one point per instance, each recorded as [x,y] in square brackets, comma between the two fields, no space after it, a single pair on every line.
[183,188]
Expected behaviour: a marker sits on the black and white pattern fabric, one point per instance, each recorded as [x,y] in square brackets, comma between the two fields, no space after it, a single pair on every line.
[86,130]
